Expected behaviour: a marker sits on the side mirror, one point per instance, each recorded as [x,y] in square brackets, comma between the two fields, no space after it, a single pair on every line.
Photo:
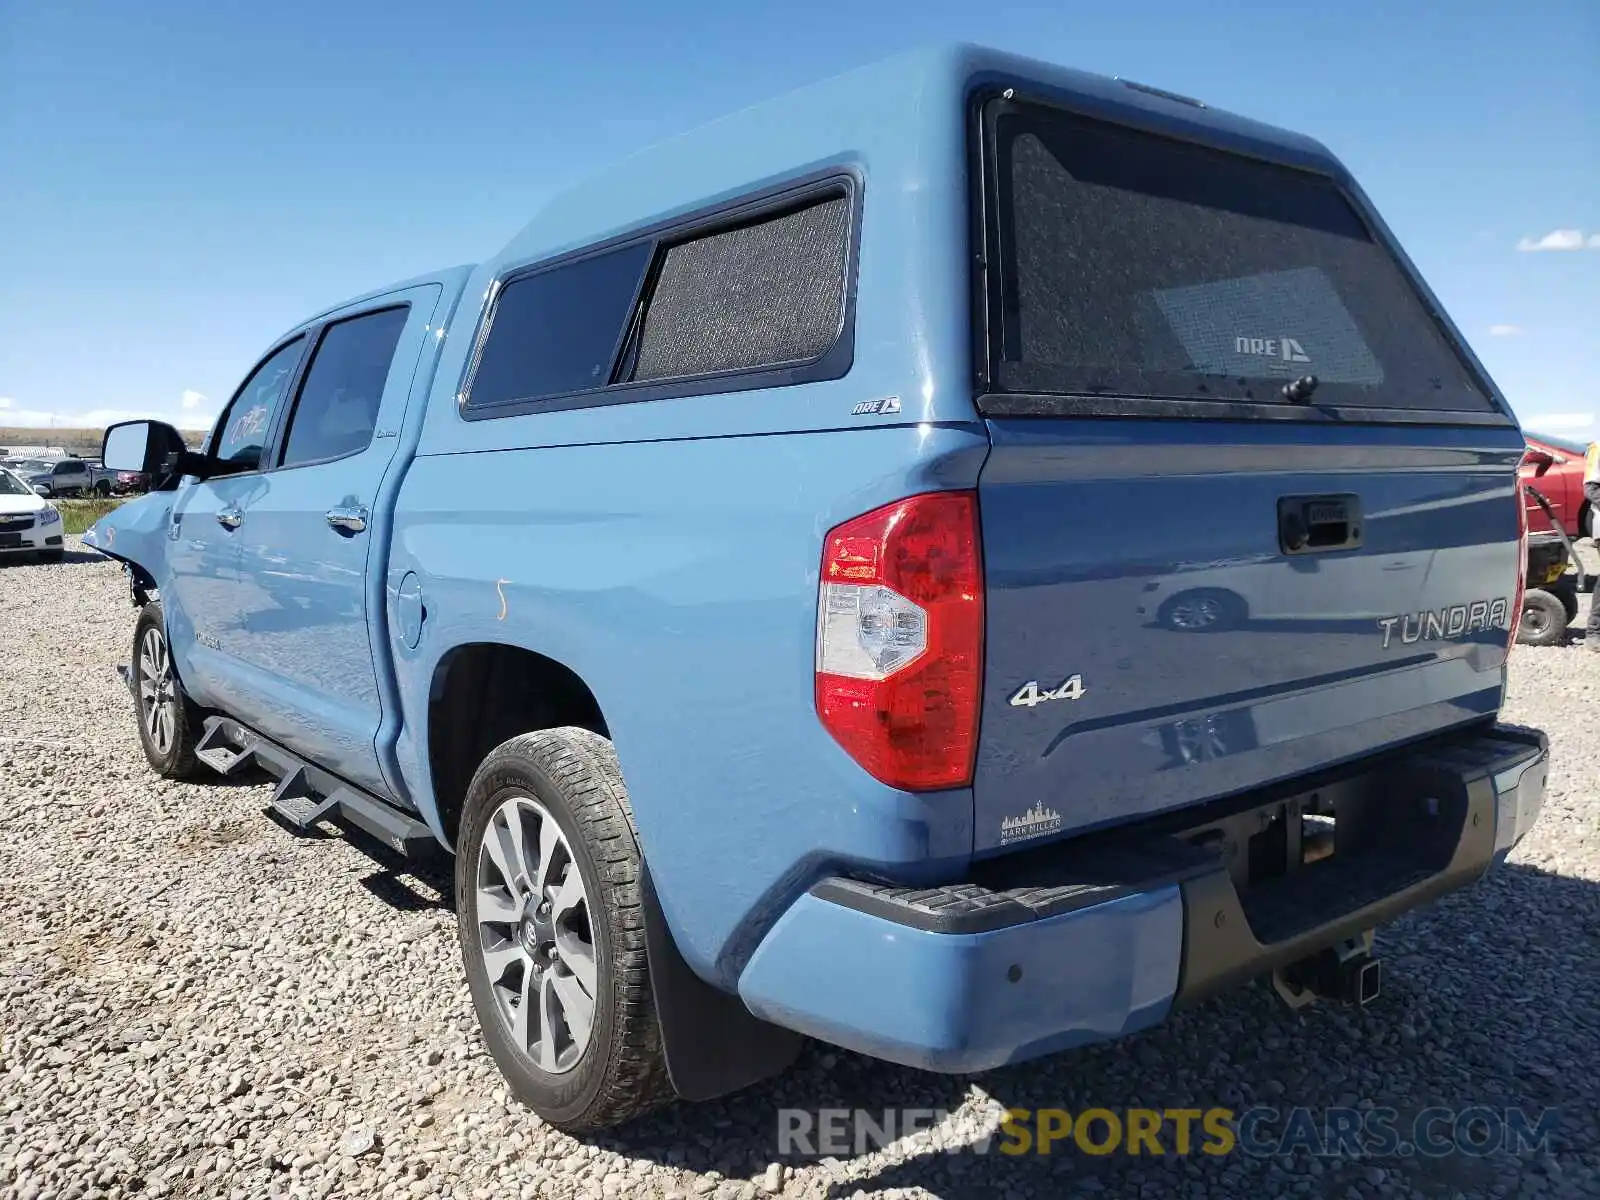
[42,490]
[151,448]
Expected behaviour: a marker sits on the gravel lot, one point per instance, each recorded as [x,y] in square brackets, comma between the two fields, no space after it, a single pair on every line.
[193,1002]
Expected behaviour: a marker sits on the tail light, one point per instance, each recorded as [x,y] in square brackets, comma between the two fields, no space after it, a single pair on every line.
[900,640]
[1522,565]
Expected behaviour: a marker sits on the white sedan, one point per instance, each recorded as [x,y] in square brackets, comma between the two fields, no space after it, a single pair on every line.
[29,524]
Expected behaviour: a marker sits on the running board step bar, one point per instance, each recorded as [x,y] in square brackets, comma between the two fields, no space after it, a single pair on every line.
[307,794]
[217,752]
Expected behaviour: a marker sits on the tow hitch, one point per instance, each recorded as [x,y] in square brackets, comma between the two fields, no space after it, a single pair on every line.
[1346,972]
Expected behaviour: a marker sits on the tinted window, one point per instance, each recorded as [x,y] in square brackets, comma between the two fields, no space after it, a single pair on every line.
[249,418]
[1135,265]
[557,331]
[763,294]
[69,466]
[338,405]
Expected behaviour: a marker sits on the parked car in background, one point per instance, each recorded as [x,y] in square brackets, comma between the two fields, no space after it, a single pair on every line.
[29,524]
[74,477]
[1554,465]
[130,483]
[27,468]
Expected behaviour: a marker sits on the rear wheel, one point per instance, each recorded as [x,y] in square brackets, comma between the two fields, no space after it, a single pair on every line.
[103,488]
[551,924]
[1544,619]
[169,723]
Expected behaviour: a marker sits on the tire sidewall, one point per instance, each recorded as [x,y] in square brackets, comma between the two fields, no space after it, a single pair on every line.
[564,1097]
[1549,609]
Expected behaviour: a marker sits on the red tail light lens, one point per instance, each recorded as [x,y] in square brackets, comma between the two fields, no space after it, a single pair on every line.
[900,640]
[1522,565]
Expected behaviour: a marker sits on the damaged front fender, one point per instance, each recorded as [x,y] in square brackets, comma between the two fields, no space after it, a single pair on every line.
[135,534]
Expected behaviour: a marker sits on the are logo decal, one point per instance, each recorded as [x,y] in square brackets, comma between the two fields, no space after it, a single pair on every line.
[883,406]
[1286,348]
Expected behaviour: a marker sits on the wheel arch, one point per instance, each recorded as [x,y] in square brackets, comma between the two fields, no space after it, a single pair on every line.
[482,693]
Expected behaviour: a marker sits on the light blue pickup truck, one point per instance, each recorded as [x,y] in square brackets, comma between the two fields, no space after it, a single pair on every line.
[955,561]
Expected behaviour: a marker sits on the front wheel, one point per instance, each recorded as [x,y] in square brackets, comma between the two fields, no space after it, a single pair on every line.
[168,722]
[550,919]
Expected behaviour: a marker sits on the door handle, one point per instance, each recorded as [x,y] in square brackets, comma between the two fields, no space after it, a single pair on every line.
[230,518]
[348,518]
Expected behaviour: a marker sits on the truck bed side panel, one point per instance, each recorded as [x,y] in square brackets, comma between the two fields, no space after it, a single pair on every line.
[680,583]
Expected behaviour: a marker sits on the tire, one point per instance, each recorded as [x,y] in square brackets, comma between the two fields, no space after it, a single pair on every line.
[1544,619]
[566,778]
[102,489]
[168,740]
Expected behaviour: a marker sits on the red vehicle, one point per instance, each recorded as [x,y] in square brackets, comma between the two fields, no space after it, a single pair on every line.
[1554,465]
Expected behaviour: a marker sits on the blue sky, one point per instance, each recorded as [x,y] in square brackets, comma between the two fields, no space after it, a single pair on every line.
[180,182]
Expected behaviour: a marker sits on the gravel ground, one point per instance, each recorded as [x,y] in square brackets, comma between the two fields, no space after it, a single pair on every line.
[193,1002]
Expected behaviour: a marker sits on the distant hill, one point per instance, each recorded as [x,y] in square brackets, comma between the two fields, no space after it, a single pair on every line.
[80,442]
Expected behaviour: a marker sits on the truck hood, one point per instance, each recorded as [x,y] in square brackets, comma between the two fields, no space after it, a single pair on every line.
[11,505]
[135,532]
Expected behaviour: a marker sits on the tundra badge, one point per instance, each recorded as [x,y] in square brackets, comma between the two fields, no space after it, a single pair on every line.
[1457,621]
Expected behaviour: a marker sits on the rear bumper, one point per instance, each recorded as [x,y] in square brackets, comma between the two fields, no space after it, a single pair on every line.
[1085,942]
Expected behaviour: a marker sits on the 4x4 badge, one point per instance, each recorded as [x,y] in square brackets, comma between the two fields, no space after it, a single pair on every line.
[1029,694]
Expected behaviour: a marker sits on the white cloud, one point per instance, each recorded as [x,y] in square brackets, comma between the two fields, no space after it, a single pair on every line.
[1505,330]
[1561,239]
[193,411]
[1559,422]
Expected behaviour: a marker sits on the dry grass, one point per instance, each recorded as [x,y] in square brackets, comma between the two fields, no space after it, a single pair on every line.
[78,515]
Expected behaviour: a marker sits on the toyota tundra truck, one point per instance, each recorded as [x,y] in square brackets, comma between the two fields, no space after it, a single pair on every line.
[957,562]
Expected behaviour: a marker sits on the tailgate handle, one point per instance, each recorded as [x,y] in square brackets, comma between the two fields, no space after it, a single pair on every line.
[1311,524]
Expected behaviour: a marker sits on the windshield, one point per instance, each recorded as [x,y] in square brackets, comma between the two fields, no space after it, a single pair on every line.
[10,485]
[1135,265]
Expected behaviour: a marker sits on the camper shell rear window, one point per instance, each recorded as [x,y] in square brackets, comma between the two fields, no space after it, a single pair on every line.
[1127,264]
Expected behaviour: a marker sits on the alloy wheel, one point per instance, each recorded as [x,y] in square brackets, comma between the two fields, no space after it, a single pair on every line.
[536,935]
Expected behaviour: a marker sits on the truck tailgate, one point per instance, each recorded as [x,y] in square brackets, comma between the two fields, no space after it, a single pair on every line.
[1154,640]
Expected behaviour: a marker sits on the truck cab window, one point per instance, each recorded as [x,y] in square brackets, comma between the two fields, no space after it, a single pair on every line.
[338,405]
[243,431]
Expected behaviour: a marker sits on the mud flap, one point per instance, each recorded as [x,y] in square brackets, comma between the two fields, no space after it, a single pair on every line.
[712,1043]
